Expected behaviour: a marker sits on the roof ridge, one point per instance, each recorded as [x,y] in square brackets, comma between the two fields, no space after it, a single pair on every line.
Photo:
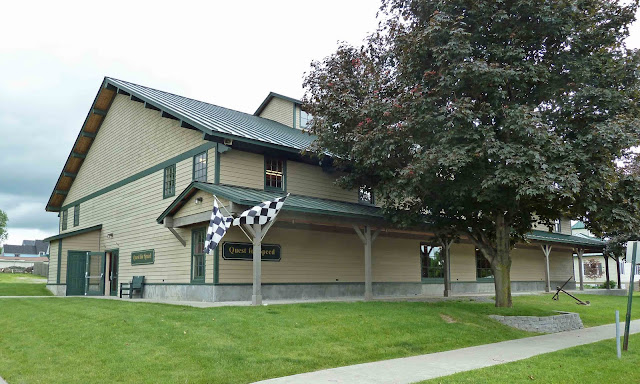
[200,101]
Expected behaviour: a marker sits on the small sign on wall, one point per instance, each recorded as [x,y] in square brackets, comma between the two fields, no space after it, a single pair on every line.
[142,257]
[244,251]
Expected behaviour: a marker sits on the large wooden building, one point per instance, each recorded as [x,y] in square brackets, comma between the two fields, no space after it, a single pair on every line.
[135,195]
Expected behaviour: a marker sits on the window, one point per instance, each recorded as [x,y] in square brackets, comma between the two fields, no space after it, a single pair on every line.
[365,195]
[483,267]
[76,215]
[592,269]
[432,261]
[169,183]
[557,226]
[305,118]
[637,269]
[197,255]
[273,174]
[200,167]
[64,219]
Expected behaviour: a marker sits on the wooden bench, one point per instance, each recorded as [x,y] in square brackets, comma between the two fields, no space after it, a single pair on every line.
[137,284]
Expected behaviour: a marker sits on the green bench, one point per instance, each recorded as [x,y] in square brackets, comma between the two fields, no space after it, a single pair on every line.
[137,284]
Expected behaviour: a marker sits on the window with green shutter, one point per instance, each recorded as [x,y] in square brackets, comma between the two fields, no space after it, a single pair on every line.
[274,174]
[169,183]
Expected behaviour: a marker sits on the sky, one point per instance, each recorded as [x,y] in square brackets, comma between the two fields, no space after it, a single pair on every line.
[54,55]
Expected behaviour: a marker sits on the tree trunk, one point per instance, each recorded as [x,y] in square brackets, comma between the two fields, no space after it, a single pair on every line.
[501,263]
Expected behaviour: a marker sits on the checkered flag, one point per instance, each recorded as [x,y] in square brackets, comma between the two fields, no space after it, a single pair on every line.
[261,213]
[217,228]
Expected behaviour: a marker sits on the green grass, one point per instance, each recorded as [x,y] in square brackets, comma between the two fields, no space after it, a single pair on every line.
[80,340]
[21,284]
[591,363]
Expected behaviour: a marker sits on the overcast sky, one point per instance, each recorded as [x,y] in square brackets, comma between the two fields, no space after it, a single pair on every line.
[54,55]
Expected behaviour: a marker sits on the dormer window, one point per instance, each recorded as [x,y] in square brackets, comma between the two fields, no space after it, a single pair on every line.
[365,195]
[556,226]
[305,118]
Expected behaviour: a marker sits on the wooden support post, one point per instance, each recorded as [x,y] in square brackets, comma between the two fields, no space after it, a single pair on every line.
[546,249]
[618,270]
[367,239]
[256,297]
[446,247]
[581,268]
[606,268]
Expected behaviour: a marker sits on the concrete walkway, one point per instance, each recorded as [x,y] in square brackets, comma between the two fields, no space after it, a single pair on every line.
[418,368]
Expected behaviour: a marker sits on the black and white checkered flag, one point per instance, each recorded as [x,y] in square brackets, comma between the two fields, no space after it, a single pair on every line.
[261,213]
[217,228]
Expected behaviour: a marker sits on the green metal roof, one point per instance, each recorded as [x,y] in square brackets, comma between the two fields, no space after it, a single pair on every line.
[73,233]
[565,239]
[219,121]
[295,203]
[578,225]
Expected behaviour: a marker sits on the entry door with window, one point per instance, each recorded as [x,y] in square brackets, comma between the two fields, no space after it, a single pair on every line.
[113,273]
[94,274]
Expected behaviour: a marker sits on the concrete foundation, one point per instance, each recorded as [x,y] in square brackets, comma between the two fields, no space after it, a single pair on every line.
[242,292]
[516,286]
[57,290]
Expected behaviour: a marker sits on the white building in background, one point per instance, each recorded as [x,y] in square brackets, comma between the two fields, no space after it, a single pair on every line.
[594,264]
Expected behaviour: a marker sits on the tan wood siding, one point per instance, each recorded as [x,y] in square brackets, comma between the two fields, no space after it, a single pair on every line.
[528,264]
[310,180]
[89,242]
[53,262]
[325,257]
[241,168]
[463,262]
[279,110]
[131,139]
[560,264]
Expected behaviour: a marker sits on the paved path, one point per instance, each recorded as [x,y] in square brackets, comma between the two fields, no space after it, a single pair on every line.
[417,368]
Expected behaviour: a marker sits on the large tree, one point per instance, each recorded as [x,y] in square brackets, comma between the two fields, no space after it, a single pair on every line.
[483,117]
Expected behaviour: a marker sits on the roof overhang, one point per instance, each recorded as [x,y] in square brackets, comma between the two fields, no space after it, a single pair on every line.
[580,242]
[74,233]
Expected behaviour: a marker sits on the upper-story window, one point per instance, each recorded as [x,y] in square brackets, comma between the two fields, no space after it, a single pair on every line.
[169,183]
[64,219]
[365,195]
[557,227]
[274,174]
[200,167]
[76,215]
[305,118]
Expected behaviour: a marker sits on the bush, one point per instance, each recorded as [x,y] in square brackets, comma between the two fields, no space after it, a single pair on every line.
[609,284]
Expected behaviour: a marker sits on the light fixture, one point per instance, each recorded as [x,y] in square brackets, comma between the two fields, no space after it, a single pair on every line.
[109,235]
[198,200]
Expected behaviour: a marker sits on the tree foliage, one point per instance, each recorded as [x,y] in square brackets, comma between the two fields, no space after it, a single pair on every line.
[484,117]
[3,226]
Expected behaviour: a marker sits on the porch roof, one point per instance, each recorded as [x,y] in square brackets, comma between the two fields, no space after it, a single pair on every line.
[296,203]
[549,237]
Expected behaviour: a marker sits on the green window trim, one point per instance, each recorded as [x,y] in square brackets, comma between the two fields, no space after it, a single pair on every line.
[76,215]
[64,218]
[169,181]
[198,257]
[483,268]
[269,170]
[199,172]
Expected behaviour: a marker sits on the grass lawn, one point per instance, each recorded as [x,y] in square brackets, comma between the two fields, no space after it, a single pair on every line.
[591,363]
[22,284]
[79,340]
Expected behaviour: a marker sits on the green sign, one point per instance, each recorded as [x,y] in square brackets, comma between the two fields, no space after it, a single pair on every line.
[244,251]
[142,257]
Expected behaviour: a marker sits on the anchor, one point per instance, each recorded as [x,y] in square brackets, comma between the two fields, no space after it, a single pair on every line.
[560,289]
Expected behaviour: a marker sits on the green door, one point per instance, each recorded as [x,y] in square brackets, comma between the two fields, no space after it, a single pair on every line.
[76,268]
[94,274]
